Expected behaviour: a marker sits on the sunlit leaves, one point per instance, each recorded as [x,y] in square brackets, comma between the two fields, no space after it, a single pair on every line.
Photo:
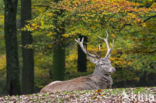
[90,16]
[3,62]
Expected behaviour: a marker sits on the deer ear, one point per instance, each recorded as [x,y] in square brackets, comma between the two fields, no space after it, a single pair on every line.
[93,60]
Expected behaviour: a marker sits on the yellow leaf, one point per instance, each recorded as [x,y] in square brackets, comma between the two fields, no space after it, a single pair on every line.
[66,35]
[49,14]
[49,34]
[42,24]
[49,45]
[143,24]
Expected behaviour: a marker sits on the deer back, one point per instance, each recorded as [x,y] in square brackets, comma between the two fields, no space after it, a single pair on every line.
[82,83]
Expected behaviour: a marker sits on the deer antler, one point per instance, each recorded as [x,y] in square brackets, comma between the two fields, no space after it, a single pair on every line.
[107,44]
[99,50]
[80,42]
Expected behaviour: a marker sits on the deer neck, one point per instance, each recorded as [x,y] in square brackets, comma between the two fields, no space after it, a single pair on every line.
[100,73]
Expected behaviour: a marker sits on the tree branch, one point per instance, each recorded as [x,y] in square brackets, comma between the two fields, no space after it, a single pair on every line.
[149,18]
[148,4]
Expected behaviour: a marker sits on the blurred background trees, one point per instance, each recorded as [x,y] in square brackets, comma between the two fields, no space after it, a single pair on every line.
[55,25]
[12,61]
[27,50]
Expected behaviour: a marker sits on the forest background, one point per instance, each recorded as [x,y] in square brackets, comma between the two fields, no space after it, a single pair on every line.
[55,25]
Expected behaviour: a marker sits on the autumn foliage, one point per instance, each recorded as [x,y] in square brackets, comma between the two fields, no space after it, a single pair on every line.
[127,22]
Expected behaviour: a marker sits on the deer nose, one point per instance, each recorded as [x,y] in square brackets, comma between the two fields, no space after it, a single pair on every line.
[113,69]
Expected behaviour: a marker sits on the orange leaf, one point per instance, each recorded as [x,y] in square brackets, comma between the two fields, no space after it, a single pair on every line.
[113,36]
[99,90]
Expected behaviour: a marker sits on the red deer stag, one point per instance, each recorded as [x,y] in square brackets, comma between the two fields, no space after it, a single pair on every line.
[99,79]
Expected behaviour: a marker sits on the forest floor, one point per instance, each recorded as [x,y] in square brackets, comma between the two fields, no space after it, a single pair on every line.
[118,95]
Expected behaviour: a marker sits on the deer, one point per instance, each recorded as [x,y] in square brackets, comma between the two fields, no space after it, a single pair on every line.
[99,79]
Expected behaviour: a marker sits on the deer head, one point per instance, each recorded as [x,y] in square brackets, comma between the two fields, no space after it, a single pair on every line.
[103,65]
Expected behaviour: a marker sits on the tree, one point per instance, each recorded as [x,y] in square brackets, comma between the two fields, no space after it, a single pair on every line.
[58,69]
[27,51]
[57,28]
[58,62]
[13,71]
[82,58]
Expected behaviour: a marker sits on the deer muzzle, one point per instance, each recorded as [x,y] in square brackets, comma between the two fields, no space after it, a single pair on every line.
[113,70]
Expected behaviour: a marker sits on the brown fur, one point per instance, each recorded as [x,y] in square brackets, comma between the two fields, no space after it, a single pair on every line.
[82,83]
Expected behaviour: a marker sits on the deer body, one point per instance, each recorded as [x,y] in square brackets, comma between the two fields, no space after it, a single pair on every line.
[82,83]
[99,79]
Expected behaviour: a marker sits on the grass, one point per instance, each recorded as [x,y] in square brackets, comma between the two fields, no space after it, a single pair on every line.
[119,95]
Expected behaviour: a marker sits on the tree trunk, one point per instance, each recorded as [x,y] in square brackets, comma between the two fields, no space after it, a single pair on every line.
[13,71]
[27,52]
[82,58]
[58,69]
[58,62]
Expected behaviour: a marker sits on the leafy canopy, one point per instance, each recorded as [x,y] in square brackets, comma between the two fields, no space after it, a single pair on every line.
[89,17]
